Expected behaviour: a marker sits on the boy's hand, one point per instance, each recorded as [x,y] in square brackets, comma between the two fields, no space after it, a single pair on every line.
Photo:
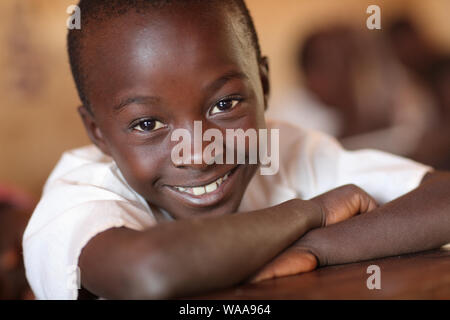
[294,260]
[337,205]
[344,202]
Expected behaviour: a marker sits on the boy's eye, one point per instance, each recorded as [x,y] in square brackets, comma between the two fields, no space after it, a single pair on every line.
[225,105]
[148,125]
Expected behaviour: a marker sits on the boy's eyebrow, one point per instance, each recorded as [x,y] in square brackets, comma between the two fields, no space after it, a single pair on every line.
[137,99]
[214,86]
[217,84]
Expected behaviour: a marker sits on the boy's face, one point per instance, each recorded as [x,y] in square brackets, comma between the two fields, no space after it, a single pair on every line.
[154,73]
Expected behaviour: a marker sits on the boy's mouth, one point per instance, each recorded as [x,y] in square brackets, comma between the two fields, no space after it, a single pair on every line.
[207,194]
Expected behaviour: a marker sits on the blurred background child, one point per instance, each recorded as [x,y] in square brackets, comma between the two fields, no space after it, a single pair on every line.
[385,90]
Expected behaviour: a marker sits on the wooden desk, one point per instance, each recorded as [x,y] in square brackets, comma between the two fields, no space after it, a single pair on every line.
[423,275]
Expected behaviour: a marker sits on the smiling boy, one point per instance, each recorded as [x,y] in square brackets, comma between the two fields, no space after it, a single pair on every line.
[120,209]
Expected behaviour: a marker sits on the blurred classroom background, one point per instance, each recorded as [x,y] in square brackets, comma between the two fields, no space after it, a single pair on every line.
[387,89]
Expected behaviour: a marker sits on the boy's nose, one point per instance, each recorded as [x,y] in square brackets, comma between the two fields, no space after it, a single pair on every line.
[197,159]
[193,154]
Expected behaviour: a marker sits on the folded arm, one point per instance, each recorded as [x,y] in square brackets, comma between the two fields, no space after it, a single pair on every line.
[417,221]
[192,256]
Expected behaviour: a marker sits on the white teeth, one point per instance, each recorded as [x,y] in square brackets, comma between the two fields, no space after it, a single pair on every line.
[211,187]
[198,191]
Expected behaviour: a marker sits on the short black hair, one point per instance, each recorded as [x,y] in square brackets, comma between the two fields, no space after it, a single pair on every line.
[102,10]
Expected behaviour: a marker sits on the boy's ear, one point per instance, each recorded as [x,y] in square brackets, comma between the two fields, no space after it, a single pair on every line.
[264,74]
[93,130]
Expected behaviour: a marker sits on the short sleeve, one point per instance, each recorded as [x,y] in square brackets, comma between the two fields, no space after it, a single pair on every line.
[80,200]
[51,252]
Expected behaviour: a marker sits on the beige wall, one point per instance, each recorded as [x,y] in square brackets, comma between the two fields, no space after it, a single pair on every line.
[38,118]
[37,109]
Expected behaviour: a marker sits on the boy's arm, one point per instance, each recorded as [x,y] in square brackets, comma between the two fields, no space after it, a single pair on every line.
[192,256]
[417,221]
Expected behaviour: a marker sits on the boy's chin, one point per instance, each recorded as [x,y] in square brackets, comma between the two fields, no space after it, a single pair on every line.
[229,207]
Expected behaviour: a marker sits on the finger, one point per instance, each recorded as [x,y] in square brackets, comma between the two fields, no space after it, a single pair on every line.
[372,205]
[342,203]
[367,202]
[290,263]
[361,202]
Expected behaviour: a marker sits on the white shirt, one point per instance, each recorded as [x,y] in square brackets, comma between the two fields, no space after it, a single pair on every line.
[86,194]
[302,108]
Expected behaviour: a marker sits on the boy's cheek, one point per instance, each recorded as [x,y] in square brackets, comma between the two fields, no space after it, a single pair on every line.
[139,168]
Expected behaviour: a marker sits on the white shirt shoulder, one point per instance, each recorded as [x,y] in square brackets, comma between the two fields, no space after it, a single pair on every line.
[85,195]
[311,163]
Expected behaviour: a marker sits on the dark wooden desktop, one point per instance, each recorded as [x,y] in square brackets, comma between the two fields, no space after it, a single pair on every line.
[424,275]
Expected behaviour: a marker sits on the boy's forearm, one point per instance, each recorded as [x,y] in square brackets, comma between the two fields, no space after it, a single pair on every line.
[192,256]
[420,220]
[218,253]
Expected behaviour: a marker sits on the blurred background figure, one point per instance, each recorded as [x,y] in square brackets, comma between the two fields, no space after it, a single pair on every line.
[15,208]
[355,88]
[435,144]
[411,48]
[386,90]
[431,68]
